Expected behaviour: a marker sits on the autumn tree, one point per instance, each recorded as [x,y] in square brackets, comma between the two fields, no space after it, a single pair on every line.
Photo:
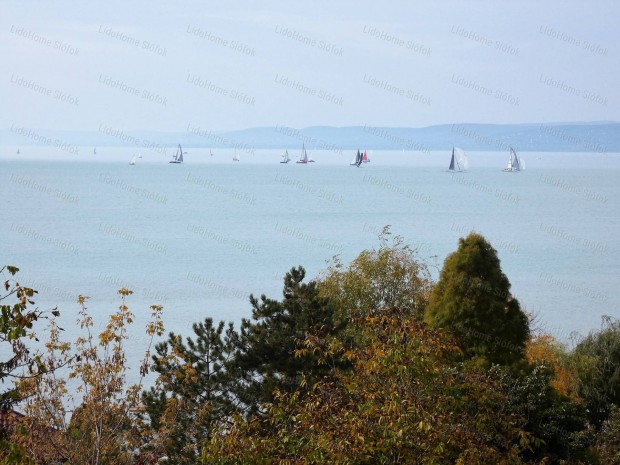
[193,395]
[17,318]
[394,275]
[86,413]
[472,301]
[16,328]
[405,400]
[596,361]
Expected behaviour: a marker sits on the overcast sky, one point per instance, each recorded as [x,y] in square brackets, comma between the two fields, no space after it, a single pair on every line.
[233,65]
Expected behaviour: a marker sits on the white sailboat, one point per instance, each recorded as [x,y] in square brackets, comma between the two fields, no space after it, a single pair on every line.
[133,161]
[304,155]
[358,159]
[236,157]
[515,163]
[285,157]
[210,152]
[18,152]
[178,156]
[140,155]
[459,161]
[94,150]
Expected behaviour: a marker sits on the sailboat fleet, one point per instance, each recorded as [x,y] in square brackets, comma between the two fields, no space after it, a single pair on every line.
[459,161]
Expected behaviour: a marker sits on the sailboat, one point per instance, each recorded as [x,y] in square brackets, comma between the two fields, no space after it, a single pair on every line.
[514,162]
[304,155]
[94,150]
[285,157]
[178,156]
[211,152]
[17,151]
[236,157]
[458,162]
[140,155]
[365,158]
[357,161]
[133,161]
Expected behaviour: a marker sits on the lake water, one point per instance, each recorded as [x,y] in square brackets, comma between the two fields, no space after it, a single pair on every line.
[199,237]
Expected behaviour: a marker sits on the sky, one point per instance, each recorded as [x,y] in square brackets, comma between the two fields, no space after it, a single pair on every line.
[163,66]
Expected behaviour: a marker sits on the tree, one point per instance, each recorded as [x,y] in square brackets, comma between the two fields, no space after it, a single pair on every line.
[608,440]
[472,300]
[392,276]
[16,323]
[16,328]
[192,398]
[596,361]
[266,344]
[405,400]
[557,421]
[85,413]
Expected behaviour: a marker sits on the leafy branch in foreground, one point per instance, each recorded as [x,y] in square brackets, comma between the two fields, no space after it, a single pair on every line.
[86,413]
[16,327]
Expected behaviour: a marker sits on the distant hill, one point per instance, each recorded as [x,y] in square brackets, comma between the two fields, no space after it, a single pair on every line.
[562,137]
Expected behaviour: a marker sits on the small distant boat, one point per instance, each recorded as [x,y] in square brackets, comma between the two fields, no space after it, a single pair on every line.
[285,157]
[365,158]
[94,150]
[458,162]
[236,157]
[515,163]
[133,161]
[211,152]
[178,156]
[304,155]
[140,155]
[18,152]
[357,160]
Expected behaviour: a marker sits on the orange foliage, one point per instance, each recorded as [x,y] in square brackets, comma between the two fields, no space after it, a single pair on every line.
[545,349]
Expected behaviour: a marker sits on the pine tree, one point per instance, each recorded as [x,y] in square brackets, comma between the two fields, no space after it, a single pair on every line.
[270,345]
[472,300]
[192,397]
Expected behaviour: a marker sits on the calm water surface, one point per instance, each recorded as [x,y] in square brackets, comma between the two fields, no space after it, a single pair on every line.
[199,237]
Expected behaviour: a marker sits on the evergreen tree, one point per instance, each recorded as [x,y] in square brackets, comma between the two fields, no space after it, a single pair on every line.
[192,397]
[270,350]
[472,300]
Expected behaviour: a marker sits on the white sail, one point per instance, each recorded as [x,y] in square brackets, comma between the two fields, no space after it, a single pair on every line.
[354,161]
[178,156]
[458,161]
[133,161]
[515,164]
[236,157]
[462,162]
[304,155]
